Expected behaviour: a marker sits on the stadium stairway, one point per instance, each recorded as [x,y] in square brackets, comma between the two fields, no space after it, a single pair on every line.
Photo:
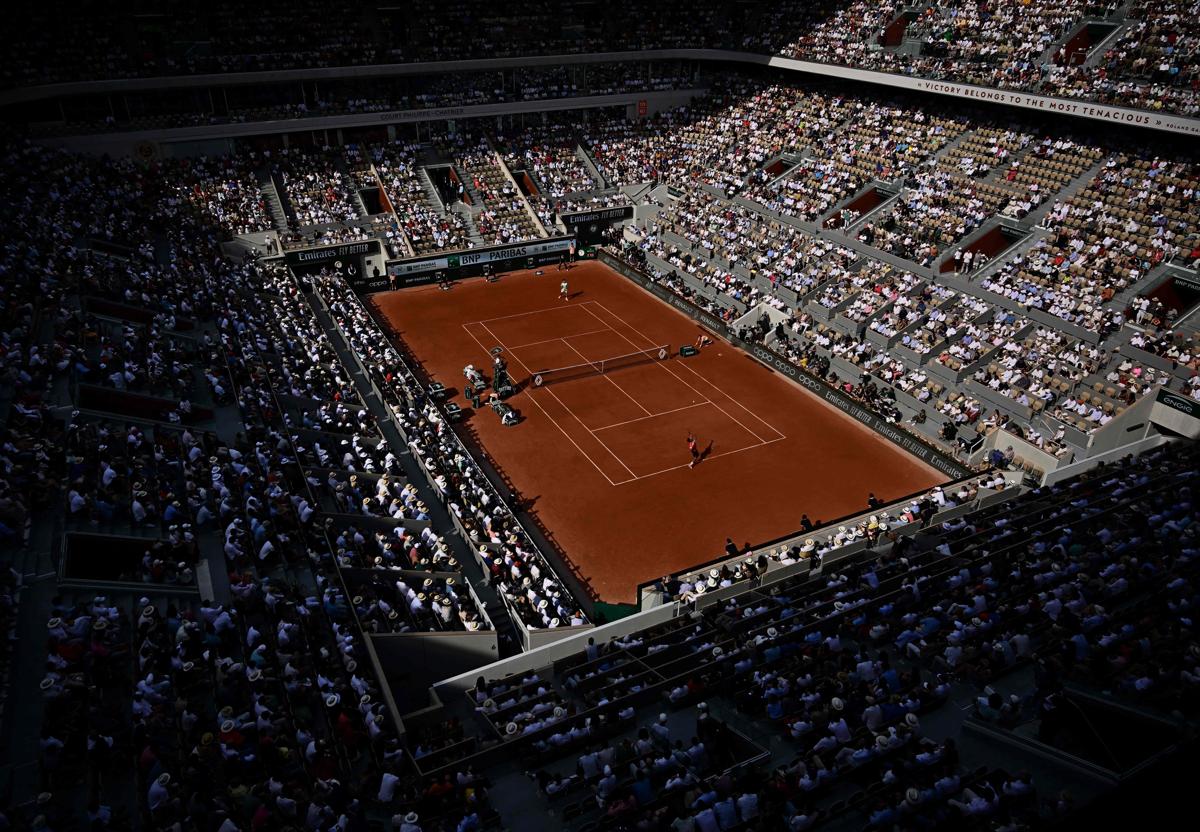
[762,210]
[883,256]
[472,192]
[935,160]
[355,196]
[788,162]
[1149,280]
[593,169]
[431,194]
[473,232]
[533,215]
[274,201]
[509,643]
[467,212]
[1096,54]
[1035,217]
[888,193]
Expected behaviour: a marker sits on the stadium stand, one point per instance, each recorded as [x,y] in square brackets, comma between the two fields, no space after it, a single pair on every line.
[1135,54]
[256,577]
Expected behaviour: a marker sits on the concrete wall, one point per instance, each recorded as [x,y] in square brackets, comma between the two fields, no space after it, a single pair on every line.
[191,141]
[1127,116]
[544,656]
[1130,426]
[1135,448]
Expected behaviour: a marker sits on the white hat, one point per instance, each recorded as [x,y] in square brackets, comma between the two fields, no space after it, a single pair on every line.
[559,712]
[717,651]
[411,817]
[837,704]
[510,728]
[912,796]
[714,572]
[662,717]
[911,719]
[772,632]
[163,779]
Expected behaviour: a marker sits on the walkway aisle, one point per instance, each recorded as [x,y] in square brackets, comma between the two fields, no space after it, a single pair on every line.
[509,642]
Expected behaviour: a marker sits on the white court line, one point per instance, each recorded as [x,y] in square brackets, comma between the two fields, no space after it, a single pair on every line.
[564,407]
[668,369]
[651,416]
[760,444]
[562,338]
[758,418]
[547,415]
[486,321]
[608,378]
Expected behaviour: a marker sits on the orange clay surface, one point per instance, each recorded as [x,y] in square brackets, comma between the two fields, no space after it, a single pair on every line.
[602,460]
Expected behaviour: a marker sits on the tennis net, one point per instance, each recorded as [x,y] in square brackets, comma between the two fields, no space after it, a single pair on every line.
[606,365]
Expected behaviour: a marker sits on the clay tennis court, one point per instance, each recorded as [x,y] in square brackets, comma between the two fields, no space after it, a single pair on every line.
[601,458]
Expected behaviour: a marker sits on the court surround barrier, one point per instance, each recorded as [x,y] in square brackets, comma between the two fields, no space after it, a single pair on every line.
[531,637]
[462,263]
[777,571]
[653,614]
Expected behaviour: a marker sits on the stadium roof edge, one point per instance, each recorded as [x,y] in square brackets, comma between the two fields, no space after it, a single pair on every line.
[1080,108]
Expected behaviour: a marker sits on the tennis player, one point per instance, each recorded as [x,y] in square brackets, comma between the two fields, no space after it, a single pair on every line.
[563,292]
[694,448]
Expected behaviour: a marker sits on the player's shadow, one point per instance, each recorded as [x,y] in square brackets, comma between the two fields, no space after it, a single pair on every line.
[523,503]
[705,453]
[573,295]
